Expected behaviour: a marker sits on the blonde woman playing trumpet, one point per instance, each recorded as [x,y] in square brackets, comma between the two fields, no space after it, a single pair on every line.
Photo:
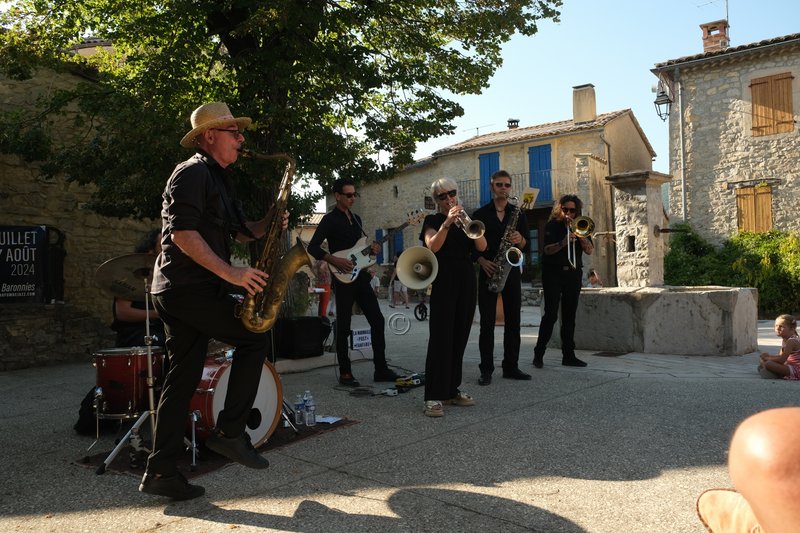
[453,298]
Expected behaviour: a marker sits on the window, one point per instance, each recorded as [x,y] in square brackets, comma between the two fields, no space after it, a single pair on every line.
[754,208]
[772,104]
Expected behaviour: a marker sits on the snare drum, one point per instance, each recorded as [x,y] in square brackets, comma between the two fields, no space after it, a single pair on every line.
[209,400]
[122,376]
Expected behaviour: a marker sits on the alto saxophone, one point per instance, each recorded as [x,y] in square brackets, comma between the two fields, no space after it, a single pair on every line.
[258,313]
[508,256]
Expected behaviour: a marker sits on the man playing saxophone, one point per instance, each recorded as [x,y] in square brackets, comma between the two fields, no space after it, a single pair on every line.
[200,215]
[496,216]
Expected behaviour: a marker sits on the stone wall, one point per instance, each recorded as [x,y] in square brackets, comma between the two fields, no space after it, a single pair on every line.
[40,334]
[638,211]
[721,150]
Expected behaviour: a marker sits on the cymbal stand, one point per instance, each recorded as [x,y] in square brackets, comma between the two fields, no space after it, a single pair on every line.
[194,416]
[151,413]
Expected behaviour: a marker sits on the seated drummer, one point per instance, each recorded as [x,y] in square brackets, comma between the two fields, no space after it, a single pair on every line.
[130,316]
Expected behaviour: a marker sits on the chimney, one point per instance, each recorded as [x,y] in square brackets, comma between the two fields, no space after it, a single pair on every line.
[513,123]
[584,106]
[715,36]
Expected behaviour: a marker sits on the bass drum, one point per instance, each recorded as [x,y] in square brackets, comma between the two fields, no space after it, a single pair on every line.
[209,400]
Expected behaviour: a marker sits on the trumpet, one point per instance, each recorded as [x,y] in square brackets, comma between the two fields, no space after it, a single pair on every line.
[581,227]
[473,228]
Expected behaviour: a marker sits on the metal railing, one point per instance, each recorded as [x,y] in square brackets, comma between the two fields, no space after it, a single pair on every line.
[470,190]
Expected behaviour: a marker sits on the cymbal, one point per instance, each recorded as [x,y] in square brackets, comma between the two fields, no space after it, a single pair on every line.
[124,276]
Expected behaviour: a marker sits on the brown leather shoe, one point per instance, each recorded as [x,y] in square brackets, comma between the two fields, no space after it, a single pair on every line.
[725,510]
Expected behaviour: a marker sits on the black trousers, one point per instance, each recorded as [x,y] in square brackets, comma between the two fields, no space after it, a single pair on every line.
[191,317]
[360,292]
[560,285]
[452,310]
[512,304]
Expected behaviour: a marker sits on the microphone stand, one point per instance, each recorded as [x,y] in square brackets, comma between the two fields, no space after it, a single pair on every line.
[151,413]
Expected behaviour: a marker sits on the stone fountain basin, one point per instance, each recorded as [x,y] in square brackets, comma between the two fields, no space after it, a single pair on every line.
[703,320]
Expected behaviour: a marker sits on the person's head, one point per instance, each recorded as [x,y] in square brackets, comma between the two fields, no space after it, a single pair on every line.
[592,275]
[150,243]
[217,132]
[445,193]
[501,184]
[785,326]
[568,205]
[344,190]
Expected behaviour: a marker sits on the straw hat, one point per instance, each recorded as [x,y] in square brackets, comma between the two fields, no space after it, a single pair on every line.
[213,115]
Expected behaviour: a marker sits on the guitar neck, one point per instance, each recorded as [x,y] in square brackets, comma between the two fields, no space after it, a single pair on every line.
[385,238]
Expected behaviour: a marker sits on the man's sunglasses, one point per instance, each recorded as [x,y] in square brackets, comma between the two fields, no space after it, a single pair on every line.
[502,184]
[235,133]
[350,194]
[443,196]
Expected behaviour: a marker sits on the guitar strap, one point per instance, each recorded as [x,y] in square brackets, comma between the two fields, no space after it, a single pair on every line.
[353,215]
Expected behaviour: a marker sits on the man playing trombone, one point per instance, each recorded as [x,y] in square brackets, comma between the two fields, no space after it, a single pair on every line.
[562,273]
[496,216]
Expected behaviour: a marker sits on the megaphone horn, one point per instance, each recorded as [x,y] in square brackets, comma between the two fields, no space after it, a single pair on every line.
[417,267]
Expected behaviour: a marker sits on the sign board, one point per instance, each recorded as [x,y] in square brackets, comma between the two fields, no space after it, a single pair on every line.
[360,339]
[22,263]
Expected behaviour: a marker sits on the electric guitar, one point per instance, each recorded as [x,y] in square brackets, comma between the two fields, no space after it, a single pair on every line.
[360,255]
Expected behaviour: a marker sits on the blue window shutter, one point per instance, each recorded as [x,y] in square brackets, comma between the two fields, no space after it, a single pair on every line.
[541,166]
[378,237]
[398,243]
[488,164]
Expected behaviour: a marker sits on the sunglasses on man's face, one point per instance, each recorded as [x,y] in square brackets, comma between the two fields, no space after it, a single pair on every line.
[502,184]
[569,209]
[235,133]
[350,194]
[443,196]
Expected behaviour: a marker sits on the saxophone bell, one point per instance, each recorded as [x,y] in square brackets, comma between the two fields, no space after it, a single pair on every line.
[514,256]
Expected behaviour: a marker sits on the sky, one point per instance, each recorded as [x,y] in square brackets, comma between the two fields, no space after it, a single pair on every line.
[611,44]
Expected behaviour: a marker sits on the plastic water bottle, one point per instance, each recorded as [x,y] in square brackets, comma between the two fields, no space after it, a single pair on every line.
[299,410]
[311,411]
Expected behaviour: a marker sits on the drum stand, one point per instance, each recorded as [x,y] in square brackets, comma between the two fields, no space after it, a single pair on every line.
[133,433]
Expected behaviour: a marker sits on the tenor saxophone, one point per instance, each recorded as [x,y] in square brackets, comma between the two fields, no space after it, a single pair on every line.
[258,313]
[508,256]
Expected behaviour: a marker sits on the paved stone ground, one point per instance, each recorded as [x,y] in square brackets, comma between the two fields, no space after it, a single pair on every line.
[623,445]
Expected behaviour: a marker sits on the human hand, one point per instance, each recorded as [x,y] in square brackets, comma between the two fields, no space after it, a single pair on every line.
[341,264]
[453,216]
[251,279]
[515,237]
[285,220]
[375,248]
[489,267]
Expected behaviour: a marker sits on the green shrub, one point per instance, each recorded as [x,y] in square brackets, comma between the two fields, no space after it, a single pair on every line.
[768,261]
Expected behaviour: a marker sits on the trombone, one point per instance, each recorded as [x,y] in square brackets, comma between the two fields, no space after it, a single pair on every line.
[581,227]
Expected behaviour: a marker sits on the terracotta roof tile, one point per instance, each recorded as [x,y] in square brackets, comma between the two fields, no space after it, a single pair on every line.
[531,132]
[731,50]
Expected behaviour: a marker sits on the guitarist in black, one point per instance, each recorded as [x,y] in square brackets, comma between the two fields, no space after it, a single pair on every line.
[342,229]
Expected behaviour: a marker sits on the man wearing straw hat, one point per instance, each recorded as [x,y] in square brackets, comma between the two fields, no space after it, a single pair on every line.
[200,215]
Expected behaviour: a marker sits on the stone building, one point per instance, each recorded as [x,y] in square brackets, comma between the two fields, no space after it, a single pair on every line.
[733,136]
[570,156]
[71,321]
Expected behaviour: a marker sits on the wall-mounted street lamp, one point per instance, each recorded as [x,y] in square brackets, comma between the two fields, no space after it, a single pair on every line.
[663,103]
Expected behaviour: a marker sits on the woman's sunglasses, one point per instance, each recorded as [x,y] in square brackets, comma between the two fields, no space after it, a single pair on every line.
[443,196]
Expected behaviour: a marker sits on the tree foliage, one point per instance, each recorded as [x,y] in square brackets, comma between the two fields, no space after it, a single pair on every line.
[339,84]
[767,261]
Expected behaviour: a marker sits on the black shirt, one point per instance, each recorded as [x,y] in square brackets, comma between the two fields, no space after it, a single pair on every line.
[495,229]
[554,232]
[199,196]
[456,245]
[340,232]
